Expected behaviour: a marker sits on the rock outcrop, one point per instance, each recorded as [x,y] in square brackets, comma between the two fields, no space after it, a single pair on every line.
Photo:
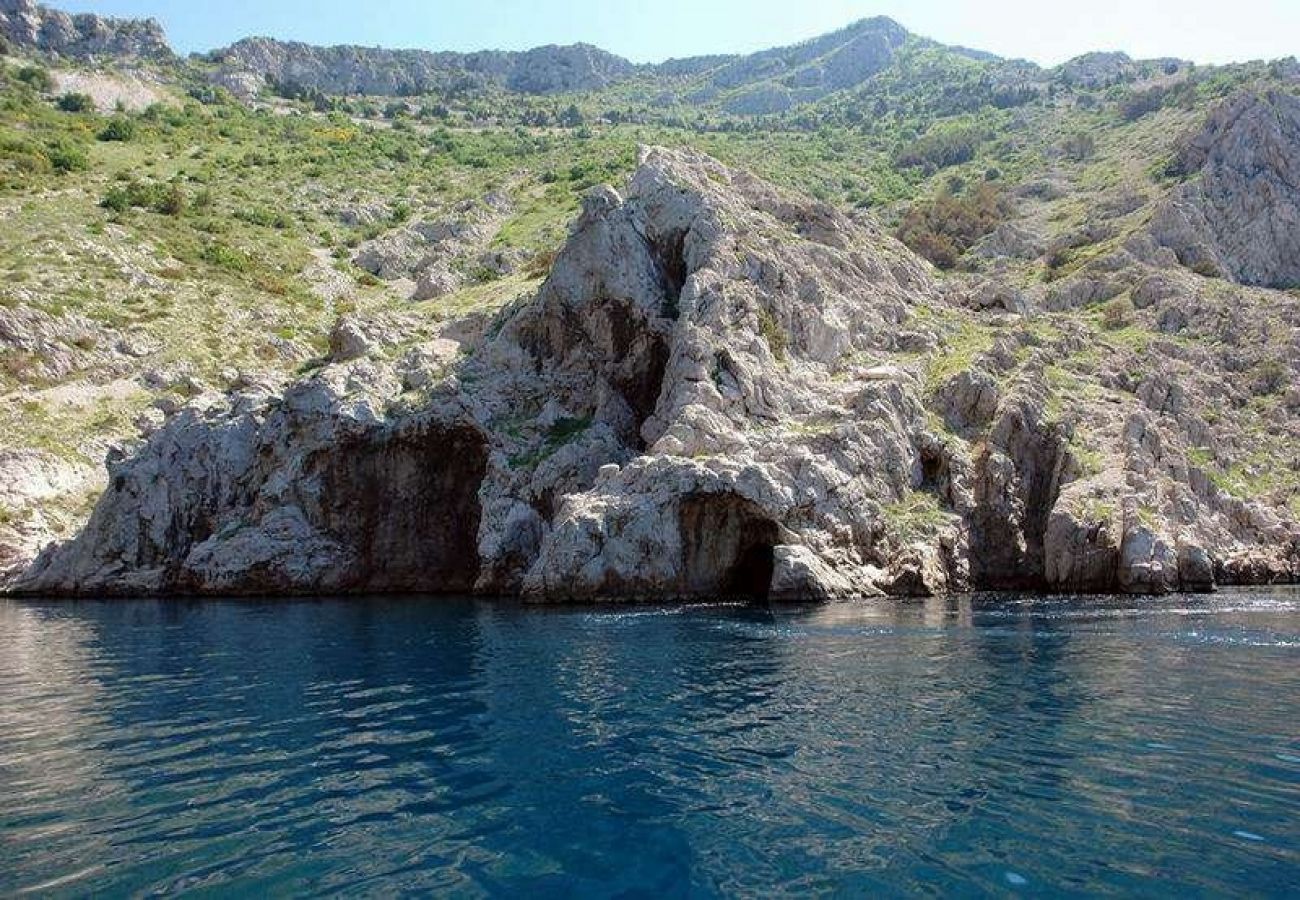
[1239,214]
[441,254]
[30,26]
[721,389]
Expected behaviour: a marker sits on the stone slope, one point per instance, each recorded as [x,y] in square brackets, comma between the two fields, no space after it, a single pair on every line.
[30,26]
[721,388]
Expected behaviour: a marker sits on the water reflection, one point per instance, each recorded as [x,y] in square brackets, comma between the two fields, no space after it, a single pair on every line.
[985,744]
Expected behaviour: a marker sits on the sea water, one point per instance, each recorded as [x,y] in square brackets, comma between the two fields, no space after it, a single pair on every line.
[996,745]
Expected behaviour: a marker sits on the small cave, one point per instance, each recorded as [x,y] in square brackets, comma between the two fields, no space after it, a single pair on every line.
[406,501]
[669,255]
[640,356]
[642,380]
[1006,552]
[934,470]
[728,547]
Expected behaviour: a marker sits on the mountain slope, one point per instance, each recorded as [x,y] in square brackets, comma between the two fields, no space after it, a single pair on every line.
[720,389]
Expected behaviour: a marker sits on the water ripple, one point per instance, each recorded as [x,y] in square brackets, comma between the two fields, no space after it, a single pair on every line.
[972,746]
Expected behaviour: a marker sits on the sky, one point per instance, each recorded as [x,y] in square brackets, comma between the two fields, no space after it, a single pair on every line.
[1045,31]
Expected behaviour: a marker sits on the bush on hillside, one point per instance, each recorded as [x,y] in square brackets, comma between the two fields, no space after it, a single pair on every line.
[67,156]
[76,103]
[35,77]
[167,199]
[944,228]
[1079,146]
[119,128]
[941,148]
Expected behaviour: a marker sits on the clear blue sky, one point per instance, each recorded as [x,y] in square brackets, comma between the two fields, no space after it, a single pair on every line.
[1046,31]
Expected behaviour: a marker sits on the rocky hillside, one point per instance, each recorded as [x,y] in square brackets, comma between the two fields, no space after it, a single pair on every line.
[721,388]
[762,82]
[256,63]
[914,320]
[26,25]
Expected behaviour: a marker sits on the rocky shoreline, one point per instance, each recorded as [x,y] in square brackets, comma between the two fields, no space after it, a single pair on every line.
[721,389]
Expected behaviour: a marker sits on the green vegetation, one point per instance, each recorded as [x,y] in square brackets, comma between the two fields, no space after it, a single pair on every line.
[773,333]
[119,128]
[565,431]
[76,103]
[198,222]
[915,517]
[946,145]
[944,228]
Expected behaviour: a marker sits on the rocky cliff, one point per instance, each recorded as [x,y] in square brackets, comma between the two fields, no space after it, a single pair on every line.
[375,71]
[769,81]
[1239,212]
[27,25]
[722,388]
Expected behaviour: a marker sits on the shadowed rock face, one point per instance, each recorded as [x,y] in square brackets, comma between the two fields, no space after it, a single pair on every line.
[31,26]
[1018,480]
[728,547]
[721,389]
[405,504]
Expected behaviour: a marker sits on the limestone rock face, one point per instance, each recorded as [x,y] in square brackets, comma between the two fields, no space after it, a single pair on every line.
[720,389]
[31,26]
[1239,216]
[28,480]
[381,72]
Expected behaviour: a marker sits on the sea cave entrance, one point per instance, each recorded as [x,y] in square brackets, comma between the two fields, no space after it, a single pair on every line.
[728,547]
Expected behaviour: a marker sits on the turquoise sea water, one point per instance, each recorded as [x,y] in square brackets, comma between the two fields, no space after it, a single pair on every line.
[990,746]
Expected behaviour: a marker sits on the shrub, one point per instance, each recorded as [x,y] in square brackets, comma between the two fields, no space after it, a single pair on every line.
[167,199]
[1079,146]
[117,200]
[944,228]
[572,117]
[1117,314]
[66,156]
[941,148]
[36,78]
[773,333]
[1142,103]
[224,257]
[76,103]
[264,218]
[25,156]
[119,128]
[540,265]
[1272,376]
[172,201]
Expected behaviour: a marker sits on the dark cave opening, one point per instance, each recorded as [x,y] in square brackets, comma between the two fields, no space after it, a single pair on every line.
[642,380]
[670,256]
[406,502]
[751,576]
[934,469]
[640,358]
[728,547]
